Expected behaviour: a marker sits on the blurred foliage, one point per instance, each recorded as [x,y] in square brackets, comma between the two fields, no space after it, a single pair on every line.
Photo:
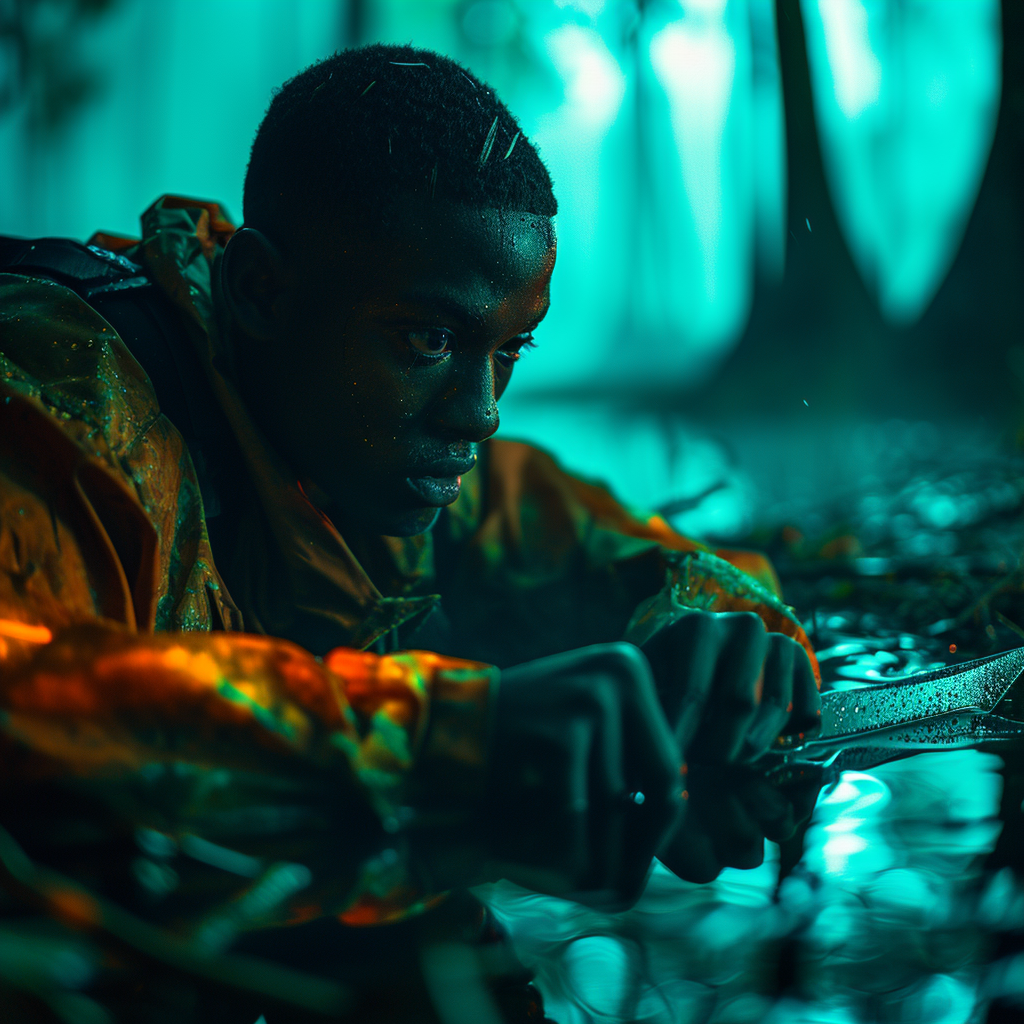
[40,62]
[937,556]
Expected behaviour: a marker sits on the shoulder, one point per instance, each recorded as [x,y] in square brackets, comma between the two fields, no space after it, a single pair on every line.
[512,466]
[76,373]
[521,474]
[59,351]
[81,409]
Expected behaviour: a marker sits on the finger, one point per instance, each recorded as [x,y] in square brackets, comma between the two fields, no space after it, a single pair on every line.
[806,712]
[607,779]
[737,840]
[690,854]
[802,794]
[577,838]
[776,696]
[770,807]
[651,766]
[777,807]
[684,657]
[550,788]
[735,696]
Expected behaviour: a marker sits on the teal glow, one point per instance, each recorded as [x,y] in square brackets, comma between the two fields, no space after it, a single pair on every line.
[183,86]
[891,854]
[662,126]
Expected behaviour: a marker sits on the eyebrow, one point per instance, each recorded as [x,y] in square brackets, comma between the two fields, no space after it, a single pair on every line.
[452,307]
[436,302]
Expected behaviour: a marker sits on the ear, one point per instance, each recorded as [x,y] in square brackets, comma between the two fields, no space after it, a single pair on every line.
[255,282]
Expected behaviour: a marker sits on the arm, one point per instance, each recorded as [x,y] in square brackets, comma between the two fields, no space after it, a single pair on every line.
[249,743]
[546,561]
[550,562]
[101,539]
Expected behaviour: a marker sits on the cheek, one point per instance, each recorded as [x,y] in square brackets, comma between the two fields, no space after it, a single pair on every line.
[361,394]
[502,377]
[375,404]
[349,378]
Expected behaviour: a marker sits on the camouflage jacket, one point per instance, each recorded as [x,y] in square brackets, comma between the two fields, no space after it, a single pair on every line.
[258,724]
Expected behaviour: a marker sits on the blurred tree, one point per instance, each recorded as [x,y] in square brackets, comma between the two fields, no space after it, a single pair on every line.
[905,96]
[40,63]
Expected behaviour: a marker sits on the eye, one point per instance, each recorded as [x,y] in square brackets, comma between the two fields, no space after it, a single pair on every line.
[510,353]
[431,342]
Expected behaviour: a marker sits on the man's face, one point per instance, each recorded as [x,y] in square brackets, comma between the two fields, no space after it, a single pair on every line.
[393,352]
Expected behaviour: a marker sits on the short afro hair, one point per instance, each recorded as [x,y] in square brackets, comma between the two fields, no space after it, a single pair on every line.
[365,125]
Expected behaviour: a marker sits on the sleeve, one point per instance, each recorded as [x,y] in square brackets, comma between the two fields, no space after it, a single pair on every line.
[214,781]
[237,754]
[549,561]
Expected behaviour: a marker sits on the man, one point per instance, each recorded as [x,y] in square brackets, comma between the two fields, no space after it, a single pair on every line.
[285,636]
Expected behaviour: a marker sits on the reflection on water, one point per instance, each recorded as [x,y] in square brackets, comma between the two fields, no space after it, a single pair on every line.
[887,916]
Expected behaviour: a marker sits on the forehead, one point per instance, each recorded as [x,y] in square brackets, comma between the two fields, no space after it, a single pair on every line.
[442,245]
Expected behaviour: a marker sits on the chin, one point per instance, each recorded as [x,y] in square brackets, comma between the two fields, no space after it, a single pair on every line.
[410,523]
[379,517]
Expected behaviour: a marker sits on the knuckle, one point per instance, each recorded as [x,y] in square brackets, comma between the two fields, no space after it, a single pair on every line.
[748,624]
[695,622]
[626,663]
[692,627]
[787,643]
[735,618]
[624,652]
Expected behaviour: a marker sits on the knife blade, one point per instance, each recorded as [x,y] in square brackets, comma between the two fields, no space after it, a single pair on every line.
[952,706]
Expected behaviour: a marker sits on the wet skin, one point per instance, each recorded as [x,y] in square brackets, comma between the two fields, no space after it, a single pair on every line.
[374,363]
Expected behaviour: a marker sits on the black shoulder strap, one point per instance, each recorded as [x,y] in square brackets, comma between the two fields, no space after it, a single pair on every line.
[86,269]
[119,290]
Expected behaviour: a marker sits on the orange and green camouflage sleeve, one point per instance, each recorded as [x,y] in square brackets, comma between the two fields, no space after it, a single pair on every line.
[212,781]
[242,742]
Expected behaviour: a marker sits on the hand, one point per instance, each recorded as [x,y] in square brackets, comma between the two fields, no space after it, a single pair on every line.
[729,688]
[575,735]
[729,814]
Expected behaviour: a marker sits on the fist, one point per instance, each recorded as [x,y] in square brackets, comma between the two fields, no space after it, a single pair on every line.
[730,811]
[577,737]
[729,688]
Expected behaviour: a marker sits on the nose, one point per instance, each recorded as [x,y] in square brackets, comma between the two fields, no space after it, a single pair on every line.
[467,410]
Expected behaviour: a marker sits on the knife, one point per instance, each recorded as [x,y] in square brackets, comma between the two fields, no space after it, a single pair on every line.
[959,706]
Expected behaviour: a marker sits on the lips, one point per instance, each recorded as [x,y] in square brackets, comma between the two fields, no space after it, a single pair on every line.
[439,484]
[436,491]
